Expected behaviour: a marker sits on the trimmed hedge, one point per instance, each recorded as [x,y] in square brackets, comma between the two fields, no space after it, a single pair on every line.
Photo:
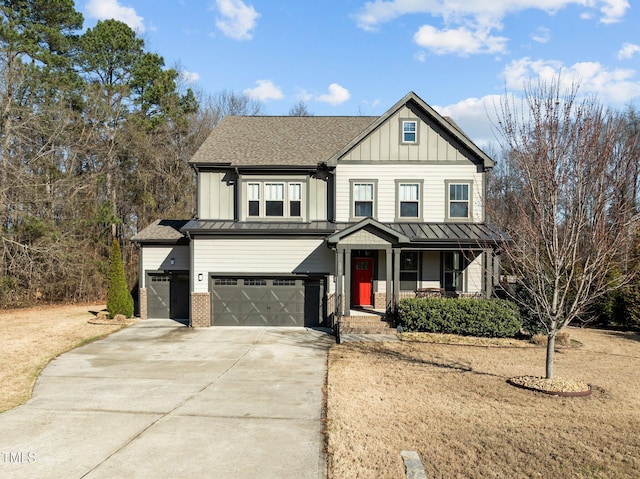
[495,318]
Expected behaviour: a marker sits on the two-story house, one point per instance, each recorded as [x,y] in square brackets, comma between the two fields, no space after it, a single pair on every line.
[300,219]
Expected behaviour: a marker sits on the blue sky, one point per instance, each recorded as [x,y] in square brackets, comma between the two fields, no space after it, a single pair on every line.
[354,57]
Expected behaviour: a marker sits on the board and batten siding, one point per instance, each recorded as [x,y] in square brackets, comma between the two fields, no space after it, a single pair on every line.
[259,255]
[317,199]
[215,196]
[383,144]
[155,258]
[434,194]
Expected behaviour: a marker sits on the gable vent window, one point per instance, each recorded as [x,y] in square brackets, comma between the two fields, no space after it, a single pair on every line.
[274,199]
[253,193]
[409,129]
[295,197]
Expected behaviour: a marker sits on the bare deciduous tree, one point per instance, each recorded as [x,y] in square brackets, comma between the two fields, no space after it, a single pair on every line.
[568,219]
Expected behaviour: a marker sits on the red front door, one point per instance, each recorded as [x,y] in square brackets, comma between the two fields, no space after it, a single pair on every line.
[362,281]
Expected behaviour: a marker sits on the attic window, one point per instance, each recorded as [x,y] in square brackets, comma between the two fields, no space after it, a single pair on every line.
[409,131]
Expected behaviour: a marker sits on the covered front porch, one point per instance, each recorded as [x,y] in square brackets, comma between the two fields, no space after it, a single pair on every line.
[378,264]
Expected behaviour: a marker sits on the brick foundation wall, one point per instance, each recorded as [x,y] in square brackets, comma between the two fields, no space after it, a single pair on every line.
[200,310]
[142,298]
[380,300]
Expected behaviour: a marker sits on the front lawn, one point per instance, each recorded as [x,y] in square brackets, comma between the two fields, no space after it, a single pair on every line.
[31,337]
[451,403]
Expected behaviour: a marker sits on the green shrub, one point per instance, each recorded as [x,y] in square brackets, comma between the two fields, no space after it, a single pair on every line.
[119,299]
[469,317]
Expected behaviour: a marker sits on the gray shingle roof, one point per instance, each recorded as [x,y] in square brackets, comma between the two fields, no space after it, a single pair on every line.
[161,231]
[279,140]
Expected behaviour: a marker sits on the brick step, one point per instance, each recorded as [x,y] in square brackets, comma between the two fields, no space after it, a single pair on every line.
[366,325]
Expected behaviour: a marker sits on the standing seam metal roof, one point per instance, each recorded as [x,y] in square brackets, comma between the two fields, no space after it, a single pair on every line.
[416,232]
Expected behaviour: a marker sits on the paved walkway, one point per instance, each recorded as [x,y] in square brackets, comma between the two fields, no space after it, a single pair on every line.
[160,400]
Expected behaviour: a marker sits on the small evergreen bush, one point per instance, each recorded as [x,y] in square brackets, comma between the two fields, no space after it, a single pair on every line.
[495,318]
[119,299]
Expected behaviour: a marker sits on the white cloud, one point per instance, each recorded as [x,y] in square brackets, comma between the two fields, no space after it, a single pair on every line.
[617,86]
[475,116]
[474,20]
[627,51]
[189,77]
[613,10]
[336,96]
[237,20]
[111,9]
[265,90]
[304,95]
[541,35]
[376,12]
[461,41]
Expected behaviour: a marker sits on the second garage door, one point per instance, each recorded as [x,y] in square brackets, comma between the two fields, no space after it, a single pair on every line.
[265,301]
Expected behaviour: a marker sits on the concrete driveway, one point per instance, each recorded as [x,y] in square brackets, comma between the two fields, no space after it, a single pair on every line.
[161,400]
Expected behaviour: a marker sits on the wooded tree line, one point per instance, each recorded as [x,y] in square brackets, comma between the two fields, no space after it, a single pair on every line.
[96,133]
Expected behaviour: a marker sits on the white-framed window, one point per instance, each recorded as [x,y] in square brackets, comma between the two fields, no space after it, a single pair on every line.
[274,199]
[253,196]
[408,200]
[363,194]
[295,199]
[409,131]
[458,200]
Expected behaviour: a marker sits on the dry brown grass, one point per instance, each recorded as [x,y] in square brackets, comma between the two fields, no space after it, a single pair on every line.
[32,337]
[452,405]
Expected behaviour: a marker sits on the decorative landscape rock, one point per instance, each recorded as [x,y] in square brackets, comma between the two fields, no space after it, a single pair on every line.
[555,387]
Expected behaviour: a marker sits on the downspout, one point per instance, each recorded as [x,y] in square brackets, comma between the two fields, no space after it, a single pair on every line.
[192,281]
[236,206]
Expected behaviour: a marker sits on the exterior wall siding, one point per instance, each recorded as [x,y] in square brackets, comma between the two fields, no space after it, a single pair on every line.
[317,199]
[430,271]
[384,144]
[434,194]
[258,255]
[215,196]
[159,258]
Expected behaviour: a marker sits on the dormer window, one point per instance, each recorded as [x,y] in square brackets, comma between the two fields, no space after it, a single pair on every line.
[409,131]
[274,199]
[253,194]
[295,199]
